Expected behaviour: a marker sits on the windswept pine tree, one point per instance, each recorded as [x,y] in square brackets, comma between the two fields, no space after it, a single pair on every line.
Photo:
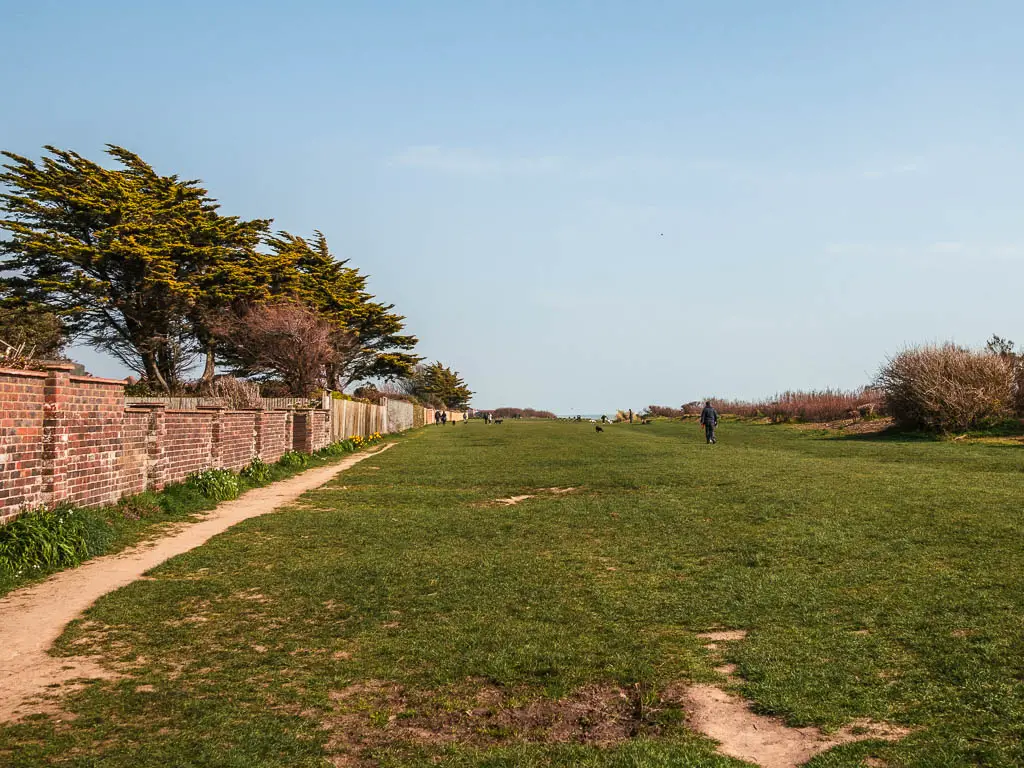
[440,384]
[309,272]
[129,259]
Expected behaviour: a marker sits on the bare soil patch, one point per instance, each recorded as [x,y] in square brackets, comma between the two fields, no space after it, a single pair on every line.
[767,741]
[721,636]
[512,500]
[32,618]
[375,714]
[760,739]
[856,426]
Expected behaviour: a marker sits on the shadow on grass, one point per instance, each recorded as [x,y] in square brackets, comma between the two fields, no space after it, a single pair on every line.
[897,434]
[890,435]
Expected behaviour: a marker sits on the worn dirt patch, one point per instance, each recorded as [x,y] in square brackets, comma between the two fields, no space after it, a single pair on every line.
[767,741]
[721,636]
[33,617]
[513,500]
[375,714]
[744,734]
[555,491]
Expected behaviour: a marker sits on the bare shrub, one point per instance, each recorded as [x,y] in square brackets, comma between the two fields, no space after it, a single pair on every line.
[1018,376]
[813,406]
[947,388]
[667,411]
[18,357]
[521,413]
[236,393]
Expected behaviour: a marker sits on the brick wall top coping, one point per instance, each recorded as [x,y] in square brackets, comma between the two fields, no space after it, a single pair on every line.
[94,379]
[20,372]
[145,406]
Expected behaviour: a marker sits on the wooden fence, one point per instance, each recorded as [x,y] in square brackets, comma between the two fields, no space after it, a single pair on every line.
[348,418]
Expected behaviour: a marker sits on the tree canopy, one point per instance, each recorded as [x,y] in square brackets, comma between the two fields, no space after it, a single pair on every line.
[144,267]
[440,384]
[124,256]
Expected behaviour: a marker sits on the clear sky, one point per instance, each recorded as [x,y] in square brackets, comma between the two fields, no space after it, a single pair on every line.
[586,205]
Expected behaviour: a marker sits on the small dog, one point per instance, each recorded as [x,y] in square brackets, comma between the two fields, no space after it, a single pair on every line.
[498,421]
[598,428]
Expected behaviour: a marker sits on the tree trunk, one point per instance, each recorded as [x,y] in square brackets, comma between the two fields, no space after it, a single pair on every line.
[153,371]
[211,365]
[165,369]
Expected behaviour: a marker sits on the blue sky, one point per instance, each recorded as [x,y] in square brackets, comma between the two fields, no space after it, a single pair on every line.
[586,205]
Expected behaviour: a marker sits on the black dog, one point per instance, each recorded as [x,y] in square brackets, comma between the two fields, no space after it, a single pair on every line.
[598,428]
[498,421]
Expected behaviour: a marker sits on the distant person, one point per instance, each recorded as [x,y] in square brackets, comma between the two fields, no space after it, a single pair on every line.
[709,419]
[630,415]
[444,418]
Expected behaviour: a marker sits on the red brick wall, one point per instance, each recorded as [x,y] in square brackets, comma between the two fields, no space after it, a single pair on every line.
[93,420]
[321,429]
[71,438]
[275,435]
[21,440]
[134,463]
[188,445]
[237,438]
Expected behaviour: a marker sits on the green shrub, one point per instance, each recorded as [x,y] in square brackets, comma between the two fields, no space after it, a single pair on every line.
[216,484]
[256,472]
[44,540]
[294,460]
[337,449]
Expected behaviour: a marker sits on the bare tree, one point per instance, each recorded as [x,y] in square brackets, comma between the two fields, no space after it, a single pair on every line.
[285,341]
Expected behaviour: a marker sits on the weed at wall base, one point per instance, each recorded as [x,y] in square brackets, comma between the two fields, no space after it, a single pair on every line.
[256,472]
[215,484]
[294,460]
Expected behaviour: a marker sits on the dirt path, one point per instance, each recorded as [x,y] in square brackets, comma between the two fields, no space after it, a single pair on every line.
[31,619]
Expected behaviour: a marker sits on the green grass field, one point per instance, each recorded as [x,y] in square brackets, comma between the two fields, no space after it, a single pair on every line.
[876,577]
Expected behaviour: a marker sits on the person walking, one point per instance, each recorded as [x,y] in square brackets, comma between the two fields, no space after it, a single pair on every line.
[444,418]
[709,419]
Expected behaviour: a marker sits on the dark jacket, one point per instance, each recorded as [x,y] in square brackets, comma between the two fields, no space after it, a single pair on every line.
[709,416]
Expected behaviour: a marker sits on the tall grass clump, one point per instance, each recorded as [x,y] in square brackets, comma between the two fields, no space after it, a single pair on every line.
[947,388]
[44,540]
